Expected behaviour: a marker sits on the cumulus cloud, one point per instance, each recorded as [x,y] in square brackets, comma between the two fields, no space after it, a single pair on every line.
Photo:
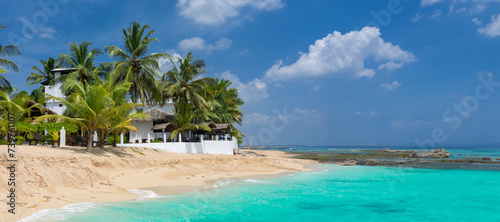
[373,113]
[253,91]
[391,86]
[165,64]
[425,3]
[199,44]
[491,29]
[343,56]
[218,11]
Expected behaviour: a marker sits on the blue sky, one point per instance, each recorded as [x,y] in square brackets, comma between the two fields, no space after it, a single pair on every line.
[315,72]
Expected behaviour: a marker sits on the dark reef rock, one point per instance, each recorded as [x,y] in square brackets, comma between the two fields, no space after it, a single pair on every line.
[486,158]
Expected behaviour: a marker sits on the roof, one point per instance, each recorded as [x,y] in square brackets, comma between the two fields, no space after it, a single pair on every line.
[165,126]
[63,69]
[156,114]
[222,126]
[38,112]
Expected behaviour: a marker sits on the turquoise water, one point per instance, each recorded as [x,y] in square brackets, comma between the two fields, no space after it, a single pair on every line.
[333,193]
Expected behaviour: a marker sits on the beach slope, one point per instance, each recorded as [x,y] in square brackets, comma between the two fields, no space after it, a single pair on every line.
[48,178]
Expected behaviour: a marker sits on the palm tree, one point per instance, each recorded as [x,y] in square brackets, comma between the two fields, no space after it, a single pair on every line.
[82,58]
[133,64]
[182,85]
[224,102]
[10,50]
[17,106]
[101,107]
[186,119]
[44,74]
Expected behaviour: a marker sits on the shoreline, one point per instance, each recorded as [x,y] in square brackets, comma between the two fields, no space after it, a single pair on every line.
[52,178]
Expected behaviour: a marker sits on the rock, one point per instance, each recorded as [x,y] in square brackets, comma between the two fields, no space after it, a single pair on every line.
[251,153]
[371,162]
[486,158]
[367,162]
[437,153]
[348,163]
[383,150]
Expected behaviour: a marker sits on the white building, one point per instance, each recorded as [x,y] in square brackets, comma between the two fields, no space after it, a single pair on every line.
[145,128]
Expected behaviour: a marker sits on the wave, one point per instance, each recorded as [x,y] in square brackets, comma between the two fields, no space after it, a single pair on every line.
[58,214]
[143,194]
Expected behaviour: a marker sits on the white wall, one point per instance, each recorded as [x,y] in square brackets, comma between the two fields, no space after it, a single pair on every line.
[143,127]
[212,147]
[55,90]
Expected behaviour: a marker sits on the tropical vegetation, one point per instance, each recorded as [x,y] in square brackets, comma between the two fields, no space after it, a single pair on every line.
[104,98]
[5,64]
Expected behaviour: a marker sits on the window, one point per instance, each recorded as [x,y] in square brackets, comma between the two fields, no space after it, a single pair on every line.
[60,105]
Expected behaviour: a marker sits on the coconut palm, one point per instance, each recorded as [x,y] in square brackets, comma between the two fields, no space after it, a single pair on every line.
[182,85]
[10,50]
[133,64]
[224,102]
[82,58]
[43,74]
[16,106]
[187,118]
[99,107]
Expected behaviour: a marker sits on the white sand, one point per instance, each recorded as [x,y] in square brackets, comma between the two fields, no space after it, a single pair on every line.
[49,178]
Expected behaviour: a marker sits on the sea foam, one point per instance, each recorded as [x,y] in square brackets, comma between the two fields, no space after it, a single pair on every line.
[143,194]
[58,214]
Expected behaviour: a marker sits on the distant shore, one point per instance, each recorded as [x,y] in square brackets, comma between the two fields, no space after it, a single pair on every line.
[50,178]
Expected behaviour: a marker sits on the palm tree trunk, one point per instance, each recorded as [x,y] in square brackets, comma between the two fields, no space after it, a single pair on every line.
[89,141]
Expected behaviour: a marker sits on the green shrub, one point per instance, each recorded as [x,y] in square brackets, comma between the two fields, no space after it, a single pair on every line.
[3,142]
[47,137]
[19,140]
[111,139]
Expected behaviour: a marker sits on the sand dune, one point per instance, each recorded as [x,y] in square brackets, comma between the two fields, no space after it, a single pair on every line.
[50,178]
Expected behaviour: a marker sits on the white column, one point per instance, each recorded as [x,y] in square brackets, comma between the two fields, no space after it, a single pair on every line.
[225,137]
[202,144]
[149,138]
[95,136]
[164,137]
[62,138]
[180,137]
[121,138]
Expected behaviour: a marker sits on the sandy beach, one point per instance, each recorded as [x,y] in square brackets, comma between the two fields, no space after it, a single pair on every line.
[49,178]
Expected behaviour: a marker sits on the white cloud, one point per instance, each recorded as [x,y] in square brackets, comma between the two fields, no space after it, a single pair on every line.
[249,92]
[358,113]
[165,64]
[373,113]
[476,21]
[343,56]
[437,13]
[491,29]
[199,44]
[425,3]
[256,119]
[405,123]
[218,11]
[417,17]
[391,86]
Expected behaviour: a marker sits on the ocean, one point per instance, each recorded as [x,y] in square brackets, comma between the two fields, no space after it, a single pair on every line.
[330,193]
